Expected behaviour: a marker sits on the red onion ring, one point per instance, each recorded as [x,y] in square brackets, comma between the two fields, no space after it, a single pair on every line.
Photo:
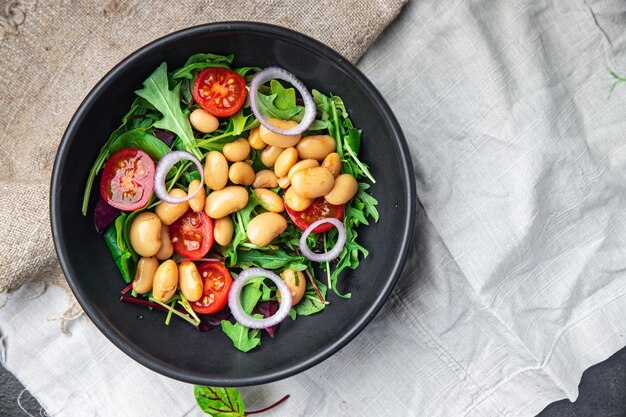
[273,73]
[163,167]
[234,299]
[331,254]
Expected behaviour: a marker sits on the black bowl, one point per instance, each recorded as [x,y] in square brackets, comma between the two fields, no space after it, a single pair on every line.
[178,350]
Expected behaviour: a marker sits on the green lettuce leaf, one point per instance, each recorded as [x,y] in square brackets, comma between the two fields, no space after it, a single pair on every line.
[143,140]
[219,402]
[243,338]
[122,254]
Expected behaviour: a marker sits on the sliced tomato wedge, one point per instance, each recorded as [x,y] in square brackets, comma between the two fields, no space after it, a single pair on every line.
[192,234]
[128,179]
[216,285]
[320,209]
[220,91]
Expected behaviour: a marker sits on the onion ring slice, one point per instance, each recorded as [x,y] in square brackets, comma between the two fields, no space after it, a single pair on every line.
[331,254]
[277,73]
[163,167]
[234,299]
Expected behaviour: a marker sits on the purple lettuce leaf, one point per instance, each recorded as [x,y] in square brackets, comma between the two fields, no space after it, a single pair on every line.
[104,215]
[165,136]
[208,321]
[268,308]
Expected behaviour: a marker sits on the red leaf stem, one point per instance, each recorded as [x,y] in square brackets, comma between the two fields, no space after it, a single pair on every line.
[262,410]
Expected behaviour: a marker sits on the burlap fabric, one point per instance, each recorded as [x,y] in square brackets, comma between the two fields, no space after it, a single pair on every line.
[52,53]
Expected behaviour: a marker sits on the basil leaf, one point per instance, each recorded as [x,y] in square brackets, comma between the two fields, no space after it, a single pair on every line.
[156,91]
[148,143]
[243,338]
[219,402]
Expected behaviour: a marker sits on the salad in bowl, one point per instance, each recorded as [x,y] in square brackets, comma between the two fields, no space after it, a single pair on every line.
[232,197]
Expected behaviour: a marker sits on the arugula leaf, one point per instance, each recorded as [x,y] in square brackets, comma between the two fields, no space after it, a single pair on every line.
[353,140]
[274,259]
[240,220]
[368,201]
[219,402]
[243,338]
[318,125]
[113,237]
[208,57]
[187,71]
[250,295]
[248,73]
[201,61]
[156,91]
[332,111]
[143,140]
[310,303]
[237,124]
[285,97]
[357,215]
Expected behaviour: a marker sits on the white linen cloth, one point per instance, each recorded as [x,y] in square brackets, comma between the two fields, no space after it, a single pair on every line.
[517,279]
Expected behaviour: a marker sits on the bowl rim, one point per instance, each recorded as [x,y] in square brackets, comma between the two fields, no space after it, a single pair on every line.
[406,168]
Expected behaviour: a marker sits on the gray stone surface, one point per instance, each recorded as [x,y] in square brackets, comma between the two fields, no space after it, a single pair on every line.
[10,390]
[602,392]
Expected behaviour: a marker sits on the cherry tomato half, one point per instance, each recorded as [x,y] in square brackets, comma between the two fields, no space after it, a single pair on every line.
[220,91]
[319,209]
[192,234]
[217,282]
[128,179]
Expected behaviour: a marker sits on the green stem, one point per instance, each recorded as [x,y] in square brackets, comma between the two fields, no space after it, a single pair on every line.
[360,164]
[169,313]
[330,285]
[617,76]
[179,173]
[104,154]
[183,302]
[618,80]
[178,313]
[203,143]
[338,139]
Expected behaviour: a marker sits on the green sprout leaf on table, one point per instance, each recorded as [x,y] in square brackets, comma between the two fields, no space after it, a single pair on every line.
[225,402]
[617,79]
